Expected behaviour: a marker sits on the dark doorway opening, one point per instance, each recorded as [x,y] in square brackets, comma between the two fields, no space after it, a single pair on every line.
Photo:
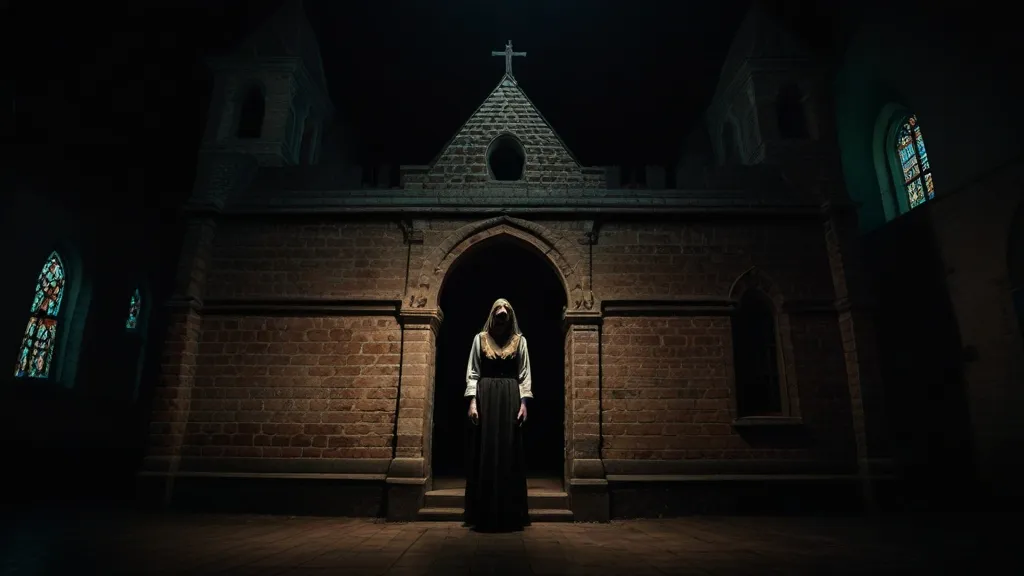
[501,268]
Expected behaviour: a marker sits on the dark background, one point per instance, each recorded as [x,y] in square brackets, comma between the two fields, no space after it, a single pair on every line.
[119,94]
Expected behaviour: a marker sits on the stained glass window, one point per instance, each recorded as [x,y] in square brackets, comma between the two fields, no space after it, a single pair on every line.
[133,311]
[913,158]
[36,353]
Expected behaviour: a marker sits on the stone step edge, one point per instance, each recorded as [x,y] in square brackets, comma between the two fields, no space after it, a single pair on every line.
[532,511]
[530,492]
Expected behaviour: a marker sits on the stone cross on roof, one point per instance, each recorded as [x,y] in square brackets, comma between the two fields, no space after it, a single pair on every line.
[508,54]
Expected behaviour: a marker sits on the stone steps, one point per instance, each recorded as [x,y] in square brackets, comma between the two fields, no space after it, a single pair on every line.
[448,505]
[455,515]
[536,498]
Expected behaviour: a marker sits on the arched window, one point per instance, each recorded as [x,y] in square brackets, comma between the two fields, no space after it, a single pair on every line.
[36,353]
[134,308]
[791,114]
[307,149]
[912,160]
[730,145]
[133,354]
[755,357]
[250,119]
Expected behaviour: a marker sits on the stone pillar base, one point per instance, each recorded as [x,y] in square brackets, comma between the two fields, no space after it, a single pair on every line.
[407,485]
[588,491]
[588,498]
[405,498]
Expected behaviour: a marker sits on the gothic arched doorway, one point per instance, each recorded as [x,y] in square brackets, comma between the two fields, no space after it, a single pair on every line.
[501,267]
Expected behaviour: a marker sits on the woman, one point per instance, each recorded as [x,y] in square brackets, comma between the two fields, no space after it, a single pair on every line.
[498,383]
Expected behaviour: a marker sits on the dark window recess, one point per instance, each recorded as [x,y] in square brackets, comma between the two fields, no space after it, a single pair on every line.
[250,120]
[755,357]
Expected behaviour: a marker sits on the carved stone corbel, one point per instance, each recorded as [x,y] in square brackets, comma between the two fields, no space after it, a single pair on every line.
[412,231]
[418,296]
[582,299]
[591,228]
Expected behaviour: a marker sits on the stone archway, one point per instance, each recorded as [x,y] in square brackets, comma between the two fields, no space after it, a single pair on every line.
[410,475]
[502,266]
[563,255]
[550,249]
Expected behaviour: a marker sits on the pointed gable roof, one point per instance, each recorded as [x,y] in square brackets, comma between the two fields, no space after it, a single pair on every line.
[760,36]
[507,110]
[286,33]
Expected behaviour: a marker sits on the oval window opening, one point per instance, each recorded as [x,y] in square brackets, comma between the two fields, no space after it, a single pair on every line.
[506,159]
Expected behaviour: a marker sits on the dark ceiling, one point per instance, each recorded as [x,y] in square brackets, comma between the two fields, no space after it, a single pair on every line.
[117,96]
[620,81]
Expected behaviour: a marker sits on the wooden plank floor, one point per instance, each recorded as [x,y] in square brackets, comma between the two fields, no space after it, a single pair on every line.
[111,542]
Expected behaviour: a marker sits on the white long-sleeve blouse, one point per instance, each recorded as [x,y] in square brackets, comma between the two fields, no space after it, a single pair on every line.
[473,368]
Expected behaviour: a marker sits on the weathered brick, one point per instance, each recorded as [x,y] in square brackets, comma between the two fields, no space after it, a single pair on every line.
[668,388]
[288,391]
[329,260]
[463,164]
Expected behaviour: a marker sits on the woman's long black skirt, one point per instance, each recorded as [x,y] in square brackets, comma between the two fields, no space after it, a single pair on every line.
[496,468]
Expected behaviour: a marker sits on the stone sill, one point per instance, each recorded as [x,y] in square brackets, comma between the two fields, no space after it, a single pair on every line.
[701,478]
[490,208]
[766,421]
[588,482]
[271,476]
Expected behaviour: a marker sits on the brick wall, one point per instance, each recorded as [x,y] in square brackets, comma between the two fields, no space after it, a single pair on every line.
[667,387]
[295,387]
[172,395]
[658,260]
[310,386]
[667,391]
[308,260]
[326,386]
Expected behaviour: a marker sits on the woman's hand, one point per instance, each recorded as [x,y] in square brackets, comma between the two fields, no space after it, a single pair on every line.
[521,417]
[474,416]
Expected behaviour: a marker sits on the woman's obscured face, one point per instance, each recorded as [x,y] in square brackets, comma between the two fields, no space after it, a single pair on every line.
[501,314]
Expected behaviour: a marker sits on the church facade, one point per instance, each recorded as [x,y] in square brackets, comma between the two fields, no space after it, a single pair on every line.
[709,351]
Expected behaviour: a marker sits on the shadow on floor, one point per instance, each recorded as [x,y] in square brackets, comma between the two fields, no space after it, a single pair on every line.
[112,541]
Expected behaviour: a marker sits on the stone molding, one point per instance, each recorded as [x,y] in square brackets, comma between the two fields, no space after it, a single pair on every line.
[301,307]
[696,306]
[560,252]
